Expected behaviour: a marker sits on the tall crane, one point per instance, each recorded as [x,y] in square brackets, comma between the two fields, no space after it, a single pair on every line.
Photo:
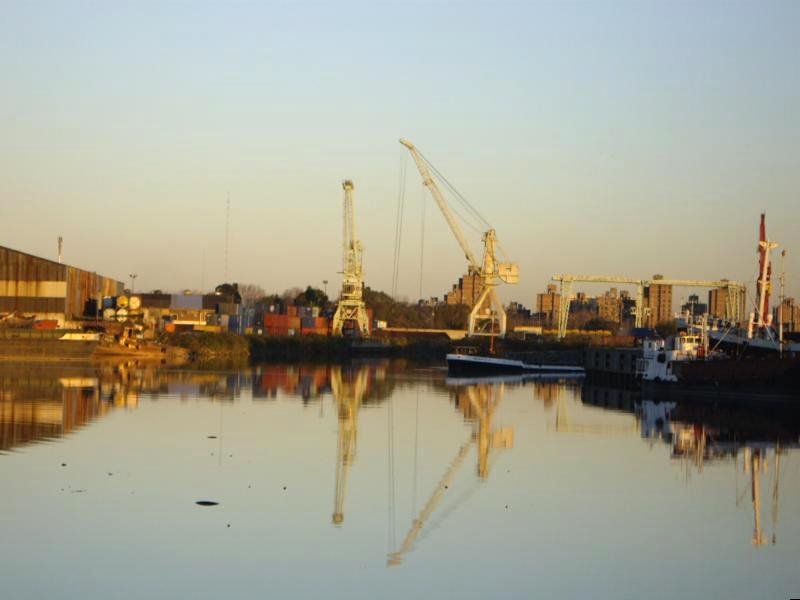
[351,307]
[487,317]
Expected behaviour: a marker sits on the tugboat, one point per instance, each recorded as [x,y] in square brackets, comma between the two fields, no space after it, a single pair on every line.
[659,356]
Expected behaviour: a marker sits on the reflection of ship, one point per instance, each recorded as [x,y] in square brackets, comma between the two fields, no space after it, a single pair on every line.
[479,404]
[701,434]
[711,437]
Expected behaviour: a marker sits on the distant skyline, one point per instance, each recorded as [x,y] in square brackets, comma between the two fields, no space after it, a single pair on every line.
[618,138]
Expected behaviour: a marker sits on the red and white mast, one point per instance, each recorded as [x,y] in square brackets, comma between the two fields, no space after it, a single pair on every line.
[763,285]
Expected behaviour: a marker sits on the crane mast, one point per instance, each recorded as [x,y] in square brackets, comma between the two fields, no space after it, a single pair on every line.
[487,316]
[351,307]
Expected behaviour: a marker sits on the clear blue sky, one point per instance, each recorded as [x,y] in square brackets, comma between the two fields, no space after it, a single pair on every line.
[625,138]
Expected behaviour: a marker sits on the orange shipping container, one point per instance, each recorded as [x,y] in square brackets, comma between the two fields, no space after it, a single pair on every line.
[273,320]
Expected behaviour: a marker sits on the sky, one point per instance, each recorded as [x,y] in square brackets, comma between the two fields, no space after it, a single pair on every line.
[619,138]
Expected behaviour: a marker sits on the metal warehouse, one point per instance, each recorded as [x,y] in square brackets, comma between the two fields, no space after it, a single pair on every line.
[31,286]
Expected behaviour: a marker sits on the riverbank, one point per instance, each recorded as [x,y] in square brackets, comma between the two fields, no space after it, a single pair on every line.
[231,347]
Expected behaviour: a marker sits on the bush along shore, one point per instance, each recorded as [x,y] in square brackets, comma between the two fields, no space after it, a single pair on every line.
[204,346]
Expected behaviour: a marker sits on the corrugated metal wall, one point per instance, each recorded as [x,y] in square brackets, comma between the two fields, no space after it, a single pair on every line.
[83,285]
[31,284]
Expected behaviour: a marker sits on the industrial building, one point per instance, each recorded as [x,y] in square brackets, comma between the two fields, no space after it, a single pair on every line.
[467,291]
[39,289]
[787,314]
[547,305]
[657,302]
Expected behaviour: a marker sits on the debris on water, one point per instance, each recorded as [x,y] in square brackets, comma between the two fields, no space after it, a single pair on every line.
[447,487]
[506,506]
[206,503]
[63,464]
[212,437]
[110,474]
[284,487]
[229,525]
[77,491]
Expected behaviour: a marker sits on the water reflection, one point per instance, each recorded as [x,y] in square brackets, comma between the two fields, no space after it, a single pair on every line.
[477,404]
[750,440]
[330,423]
[39,404]
[349,387]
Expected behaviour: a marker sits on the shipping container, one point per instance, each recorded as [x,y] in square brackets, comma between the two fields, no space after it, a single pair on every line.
[187,301]
[291,311]
[274,320]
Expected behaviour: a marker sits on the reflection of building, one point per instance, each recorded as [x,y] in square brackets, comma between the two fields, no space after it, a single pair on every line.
[48,290]
[36,405]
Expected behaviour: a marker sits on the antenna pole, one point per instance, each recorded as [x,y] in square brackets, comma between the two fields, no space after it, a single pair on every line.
[227,232]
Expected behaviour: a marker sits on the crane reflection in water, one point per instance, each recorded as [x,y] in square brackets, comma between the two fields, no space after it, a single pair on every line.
[753,441]
[478,403]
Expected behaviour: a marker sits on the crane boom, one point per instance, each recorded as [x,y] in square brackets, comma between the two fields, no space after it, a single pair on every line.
[428,181]
[487,315]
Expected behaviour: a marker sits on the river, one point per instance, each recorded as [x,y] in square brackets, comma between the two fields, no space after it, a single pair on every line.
[384,480]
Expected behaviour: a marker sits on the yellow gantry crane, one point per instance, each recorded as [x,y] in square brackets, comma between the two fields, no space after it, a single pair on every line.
[348,392]
[351,307]
[487,317]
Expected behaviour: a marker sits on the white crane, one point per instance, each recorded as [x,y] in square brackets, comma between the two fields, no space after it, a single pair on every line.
[487,317]
[351,307]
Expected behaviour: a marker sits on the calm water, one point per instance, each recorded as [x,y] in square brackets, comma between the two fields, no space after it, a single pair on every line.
[378,480]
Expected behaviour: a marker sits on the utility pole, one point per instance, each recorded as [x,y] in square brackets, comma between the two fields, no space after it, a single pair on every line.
[780,304]
[133,277]
[227,232]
